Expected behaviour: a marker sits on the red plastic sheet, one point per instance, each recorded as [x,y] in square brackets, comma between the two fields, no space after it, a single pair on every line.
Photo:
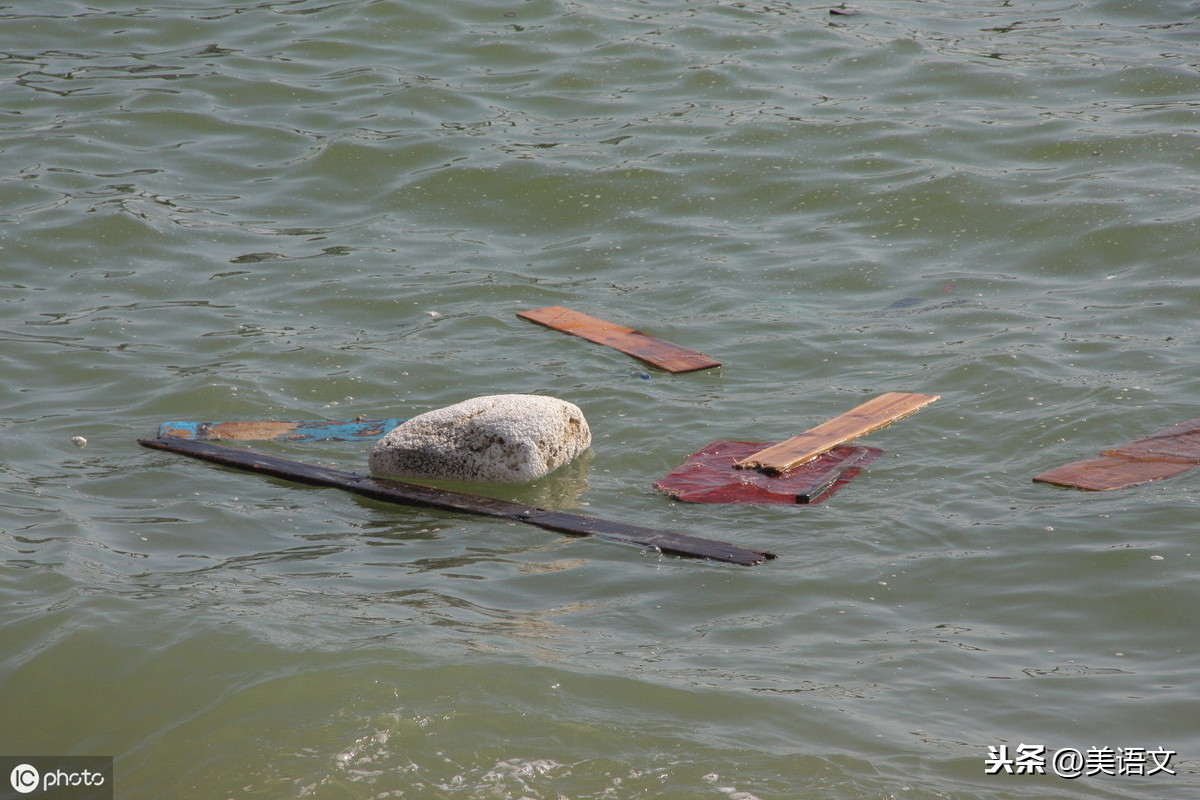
[708,475]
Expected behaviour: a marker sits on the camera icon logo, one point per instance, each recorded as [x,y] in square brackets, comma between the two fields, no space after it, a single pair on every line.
[24,778]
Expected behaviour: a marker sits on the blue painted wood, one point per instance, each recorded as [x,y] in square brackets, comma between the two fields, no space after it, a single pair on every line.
[288,430]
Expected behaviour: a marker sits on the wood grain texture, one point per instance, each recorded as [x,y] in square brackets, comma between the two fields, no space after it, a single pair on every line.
[326,430]
[1104,473]
[1179,443]
[1165,454]
[870,416]
[413,494]
[658,352]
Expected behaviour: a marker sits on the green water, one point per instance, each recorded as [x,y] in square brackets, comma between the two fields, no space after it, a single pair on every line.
[300,209]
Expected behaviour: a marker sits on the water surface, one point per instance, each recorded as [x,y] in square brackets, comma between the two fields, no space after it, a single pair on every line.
[310,209]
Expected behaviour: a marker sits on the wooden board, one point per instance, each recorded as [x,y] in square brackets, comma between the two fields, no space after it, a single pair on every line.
[1104,473]
[1179,443]
[1165,454]
[328,430]
[708,476]
[870,416]
[412,494]
[660,353]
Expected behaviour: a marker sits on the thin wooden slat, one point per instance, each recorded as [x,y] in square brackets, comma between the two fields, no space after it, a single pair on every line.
[417,495]
[824,482]
[1165,454]
[292,430]
[660,353]
[870,416]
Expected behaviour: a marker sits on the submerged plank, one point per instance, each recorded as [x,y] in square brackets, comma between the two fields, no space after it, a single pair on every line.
[660,353]
[836,475]
[328,430]
[1179,443]
[1165,454]
[870,416]
[412,494]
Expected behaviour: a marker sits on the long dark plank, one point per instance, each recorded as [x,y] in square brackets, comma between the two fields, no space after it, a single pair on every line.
[413,494]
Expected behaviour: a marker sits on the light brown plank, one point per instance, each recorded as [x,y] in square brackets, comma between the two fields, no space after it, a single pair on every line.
[327,430]
[660,353]
[230,430]
[870,416]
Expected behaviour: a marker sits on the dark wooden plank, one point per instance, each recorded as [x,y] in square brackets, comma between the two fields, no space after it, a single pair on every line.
[412,494]
[660,353]
[869,416]
[326,430]
[824,482]
[1165,454]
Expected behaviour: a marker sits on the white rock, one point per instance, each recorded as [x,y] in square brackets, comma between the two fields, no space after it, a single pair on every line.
[502,438]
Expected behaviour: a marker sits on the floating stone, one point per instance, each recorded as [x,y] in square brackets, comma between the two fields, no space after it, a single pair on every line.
[503,438]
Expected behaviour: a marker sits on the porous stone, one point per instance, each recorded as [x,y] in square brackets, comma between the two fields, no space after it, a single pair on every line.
[502,438]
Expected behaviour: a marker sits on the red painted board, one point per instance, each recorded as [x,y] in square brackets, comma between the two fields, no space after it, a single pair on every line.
[709,475]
